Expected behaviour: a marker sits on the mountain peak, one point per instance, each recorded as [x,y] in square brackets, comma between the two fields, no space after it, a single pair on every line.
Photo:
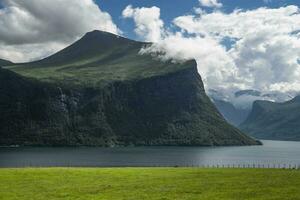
[105,37]
[99,33]
[112,95]
[91,45]
[101,57]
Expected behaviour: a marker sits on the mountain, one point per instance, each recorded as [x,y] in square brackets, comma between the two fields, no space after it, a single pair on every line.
[23,103]
[5,62]
[236,106]
[233,115]
[275,121]
[245,98]
[248,92]
[97,59]
[101,91]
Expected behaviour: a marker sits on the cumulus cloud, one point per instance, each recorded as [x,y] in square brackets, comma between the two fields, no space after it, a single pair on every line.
[33,29]
[213,61]
[210,3]
[253,49]
[29,52]
[149,26]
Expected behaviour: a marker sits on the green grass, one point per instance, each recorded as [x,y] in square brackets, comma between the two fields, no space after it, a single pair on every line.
[95,74]
[149,183]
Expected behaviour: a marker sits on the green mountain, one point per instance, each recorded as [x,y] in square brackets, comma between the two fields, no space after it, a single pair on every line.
[101,91]
[97,59]
[275,121]
[5,62]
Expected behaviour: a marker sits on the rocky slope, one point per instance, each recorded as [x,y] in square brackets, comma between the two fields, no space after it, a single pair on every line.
[100,91]
[5,62]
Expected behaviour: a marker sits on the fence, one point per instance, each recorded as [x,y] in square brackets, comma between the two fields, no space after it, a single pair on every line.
[207,166]
[246,166]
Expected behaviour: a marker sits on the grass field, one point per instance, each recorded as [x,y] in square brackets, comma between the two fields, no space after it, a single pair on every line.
[149,183]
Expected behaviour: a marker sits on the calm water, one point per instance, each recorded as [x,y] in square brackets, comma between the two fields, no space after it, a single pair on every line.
[272,152]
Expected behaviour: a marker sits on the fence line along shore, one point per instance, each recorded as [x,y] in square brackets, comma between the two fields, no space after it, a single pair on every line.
[205,166]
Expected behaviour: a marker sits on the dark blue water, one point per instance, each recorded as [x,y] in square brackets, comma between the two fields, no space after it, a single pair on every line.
[272,153]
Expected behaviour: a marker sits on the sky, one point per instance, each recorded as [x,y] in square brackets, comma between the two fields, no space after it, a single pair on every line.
[238,44]
[176,8]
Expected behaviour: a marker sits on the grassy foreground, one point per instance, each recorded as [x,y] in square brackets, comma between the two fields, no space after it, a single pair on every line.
[148,183]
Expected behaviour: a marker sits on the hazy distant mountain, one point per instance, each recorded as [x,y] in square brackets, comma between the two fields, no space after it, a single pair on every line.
[237,106]
[248,93]
[233,115]
[253,95]
[276,121]
[225,104]
[101,91]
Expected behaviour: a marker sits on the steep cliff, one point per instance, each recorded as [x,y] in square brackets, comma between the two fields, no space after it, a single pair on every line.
[101,91]
[274,121]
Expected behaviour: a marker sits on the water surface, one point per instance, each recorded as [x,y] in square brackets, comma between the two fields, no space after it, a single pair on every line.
[272,153]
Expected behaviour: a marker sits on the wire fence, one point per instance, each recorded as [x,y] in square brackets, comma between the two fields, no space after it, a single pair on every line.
[205,166]
[250,166]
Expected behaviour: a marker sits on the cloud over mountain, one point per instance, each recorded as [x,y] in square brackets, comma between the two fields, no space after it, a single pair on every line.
[35,28]
[149,26]
[245,49]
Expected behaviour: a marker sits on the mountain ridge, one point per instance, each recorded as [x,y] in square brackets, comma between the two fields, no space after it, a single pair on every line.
[276,121]
[91,61]
[110,95]
[5,62]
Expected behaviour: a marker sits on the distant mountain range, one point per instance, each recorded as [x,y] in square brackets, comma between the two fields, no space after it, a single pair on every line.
[236,107]
[101,91]
[275,121]
[232,114]
[254,93]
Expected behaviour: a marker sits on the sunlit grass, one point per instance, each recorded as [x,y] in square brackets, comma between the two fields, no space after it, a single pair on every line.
[149,183]
[102,68]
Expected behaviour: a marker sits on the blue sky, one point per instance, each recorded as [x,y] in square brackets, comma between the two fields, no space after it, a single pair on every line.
[176,8]
[238,51]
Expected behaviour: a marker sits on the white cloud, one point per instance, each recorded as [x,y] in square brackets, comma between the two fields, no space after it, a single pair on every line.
[245,49]
[33,29]
[30,52]
[214,64]
[210,3]
[255,49]
[241,23]
[149,26]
